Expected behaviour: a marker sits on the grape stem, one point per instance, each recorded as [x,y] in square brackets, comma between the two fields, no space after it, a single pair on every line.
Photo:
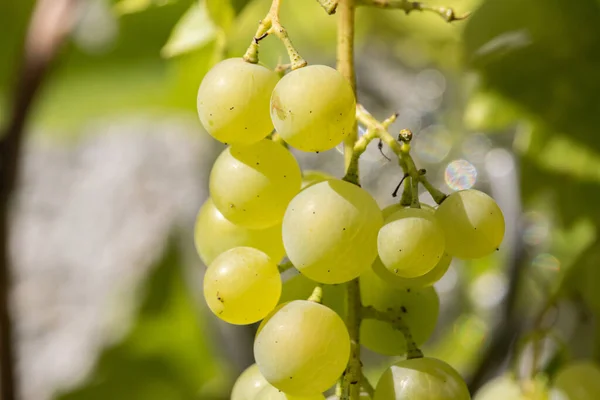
[329,6]
[367,387]
[394,318]
[270,25]
[317,294]
[407,6]
[285,266]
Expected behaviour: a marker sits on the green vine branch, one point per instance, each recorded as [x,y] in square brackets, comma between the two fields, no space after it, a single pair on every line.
[395,319]
[285,266]
[271,25]
[407,6]
[317,294]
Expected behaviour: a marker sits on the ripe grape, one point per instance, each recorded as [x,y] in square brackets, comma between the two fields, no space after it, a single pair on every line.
[472,223]
[577,381]
[248,384]
[313,108]
[410,243]
[233,101]
[299,287]
[419,309]
[502,388]
[423,379]
[242,285]
[428,279]
[214,234]
[391,209]
[310,177]
[272,393]
[302,347]
[363,396]
[330,230]
[252,185]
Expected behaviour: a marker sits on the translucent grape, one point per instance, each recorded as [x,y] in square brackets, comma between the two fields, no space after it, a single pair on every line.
[472,223]
[242,285]
[302,348]
[272,393]
[391,209]
[313,108]
[577,381]
[428,279]
[233,101]
[214,234]
[311,177]
[330,231]
[252,185]
[410,243]
[363,396]
[248,384]
[419,309]
[423,379]
[504,388]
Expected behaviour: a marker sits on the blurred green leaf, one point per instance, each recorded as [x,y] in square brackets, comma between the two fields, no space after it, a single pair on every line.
[545,56]
[221,12]
[133,6]
[194,30]
[166,355]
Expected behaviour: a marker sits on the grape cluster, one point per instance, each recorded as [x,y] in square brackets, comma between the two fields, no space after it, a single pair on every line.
[262,208]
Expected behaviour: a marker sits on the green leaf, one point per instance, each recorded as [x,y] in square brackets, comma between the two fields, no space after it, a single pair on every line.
[194,30]
[545,56]
[166,356]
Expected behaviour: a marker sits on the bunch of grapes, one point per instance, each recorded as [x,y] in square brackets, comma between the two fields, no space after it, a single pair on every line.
[262,209]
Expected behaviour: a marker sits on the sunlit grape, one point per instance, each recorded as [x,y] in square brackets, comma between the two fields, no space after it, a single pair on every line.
[248,384]
[272,393]
[577,381]
[428,279]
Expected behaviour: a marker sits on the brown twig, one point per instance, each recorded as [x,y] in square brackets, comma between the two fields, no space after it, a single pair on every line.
[50,22]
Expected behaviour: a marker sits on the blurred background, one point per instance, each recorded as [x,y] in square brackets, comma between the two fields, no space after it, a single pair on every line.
[106,285]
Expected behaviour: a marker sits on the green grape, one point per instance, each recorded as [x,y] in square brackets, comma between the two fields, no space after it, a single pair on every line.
[302,347]
[472,223]
[577,381]
[214,234]
[391,209]
[233,101]
[242,285]
[506,388]
[428,279]
[313,108]
[310,177]
[330,230]
[300,287]
[363,396]
[423,379]
[272,393]
[249,384]
[419,309]
[252,185]
[411,243]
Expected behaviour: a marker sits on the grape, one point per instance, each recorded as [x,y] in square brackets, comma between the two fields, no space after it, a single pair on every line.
[233,101]
[391,209]
[313,108]
[215,234]
[252,185]
[302,347]
[419,309]
[272,393]
[428,279]
[577,381]
[330,230]
[300,287]
[472,223]
[363,396]
[410,243]
[242,285]
[309,178]
[249,383]
[423,379]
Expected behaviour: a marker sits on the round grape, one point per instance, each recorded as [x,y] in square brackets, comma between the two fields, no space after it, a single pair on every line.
[577,381]
[242,285]
[423,379]
[472,223]
[248,384]
[330,231]
[426,280]
[501,388]
[233,101]
[302,348]
[313,108]
[410,243]
[252,185]
[272,393]
[419,309]
[215,234]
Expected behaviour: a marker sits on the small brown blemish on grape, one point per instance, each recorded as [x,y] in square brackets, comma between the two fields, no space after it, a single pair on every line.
[257,163]
[403,309]
[396,270]
[285,176]
[276,106]
[343,229]
[220,298]
[232,205]
[231,108]
[407,290]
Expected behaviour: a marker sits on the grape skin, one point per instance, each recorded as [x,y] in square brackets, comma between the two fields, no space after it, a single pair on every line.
[272,393]
[233,101]
[313,108]
[419,309]
[330,231]
[411,242]
[505,387]
[472,222]
[302,348]
[429,279]
[252,185]
[577,381]
[242,285]
[310,177]
[423,379]
[215,234]
[248,384]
